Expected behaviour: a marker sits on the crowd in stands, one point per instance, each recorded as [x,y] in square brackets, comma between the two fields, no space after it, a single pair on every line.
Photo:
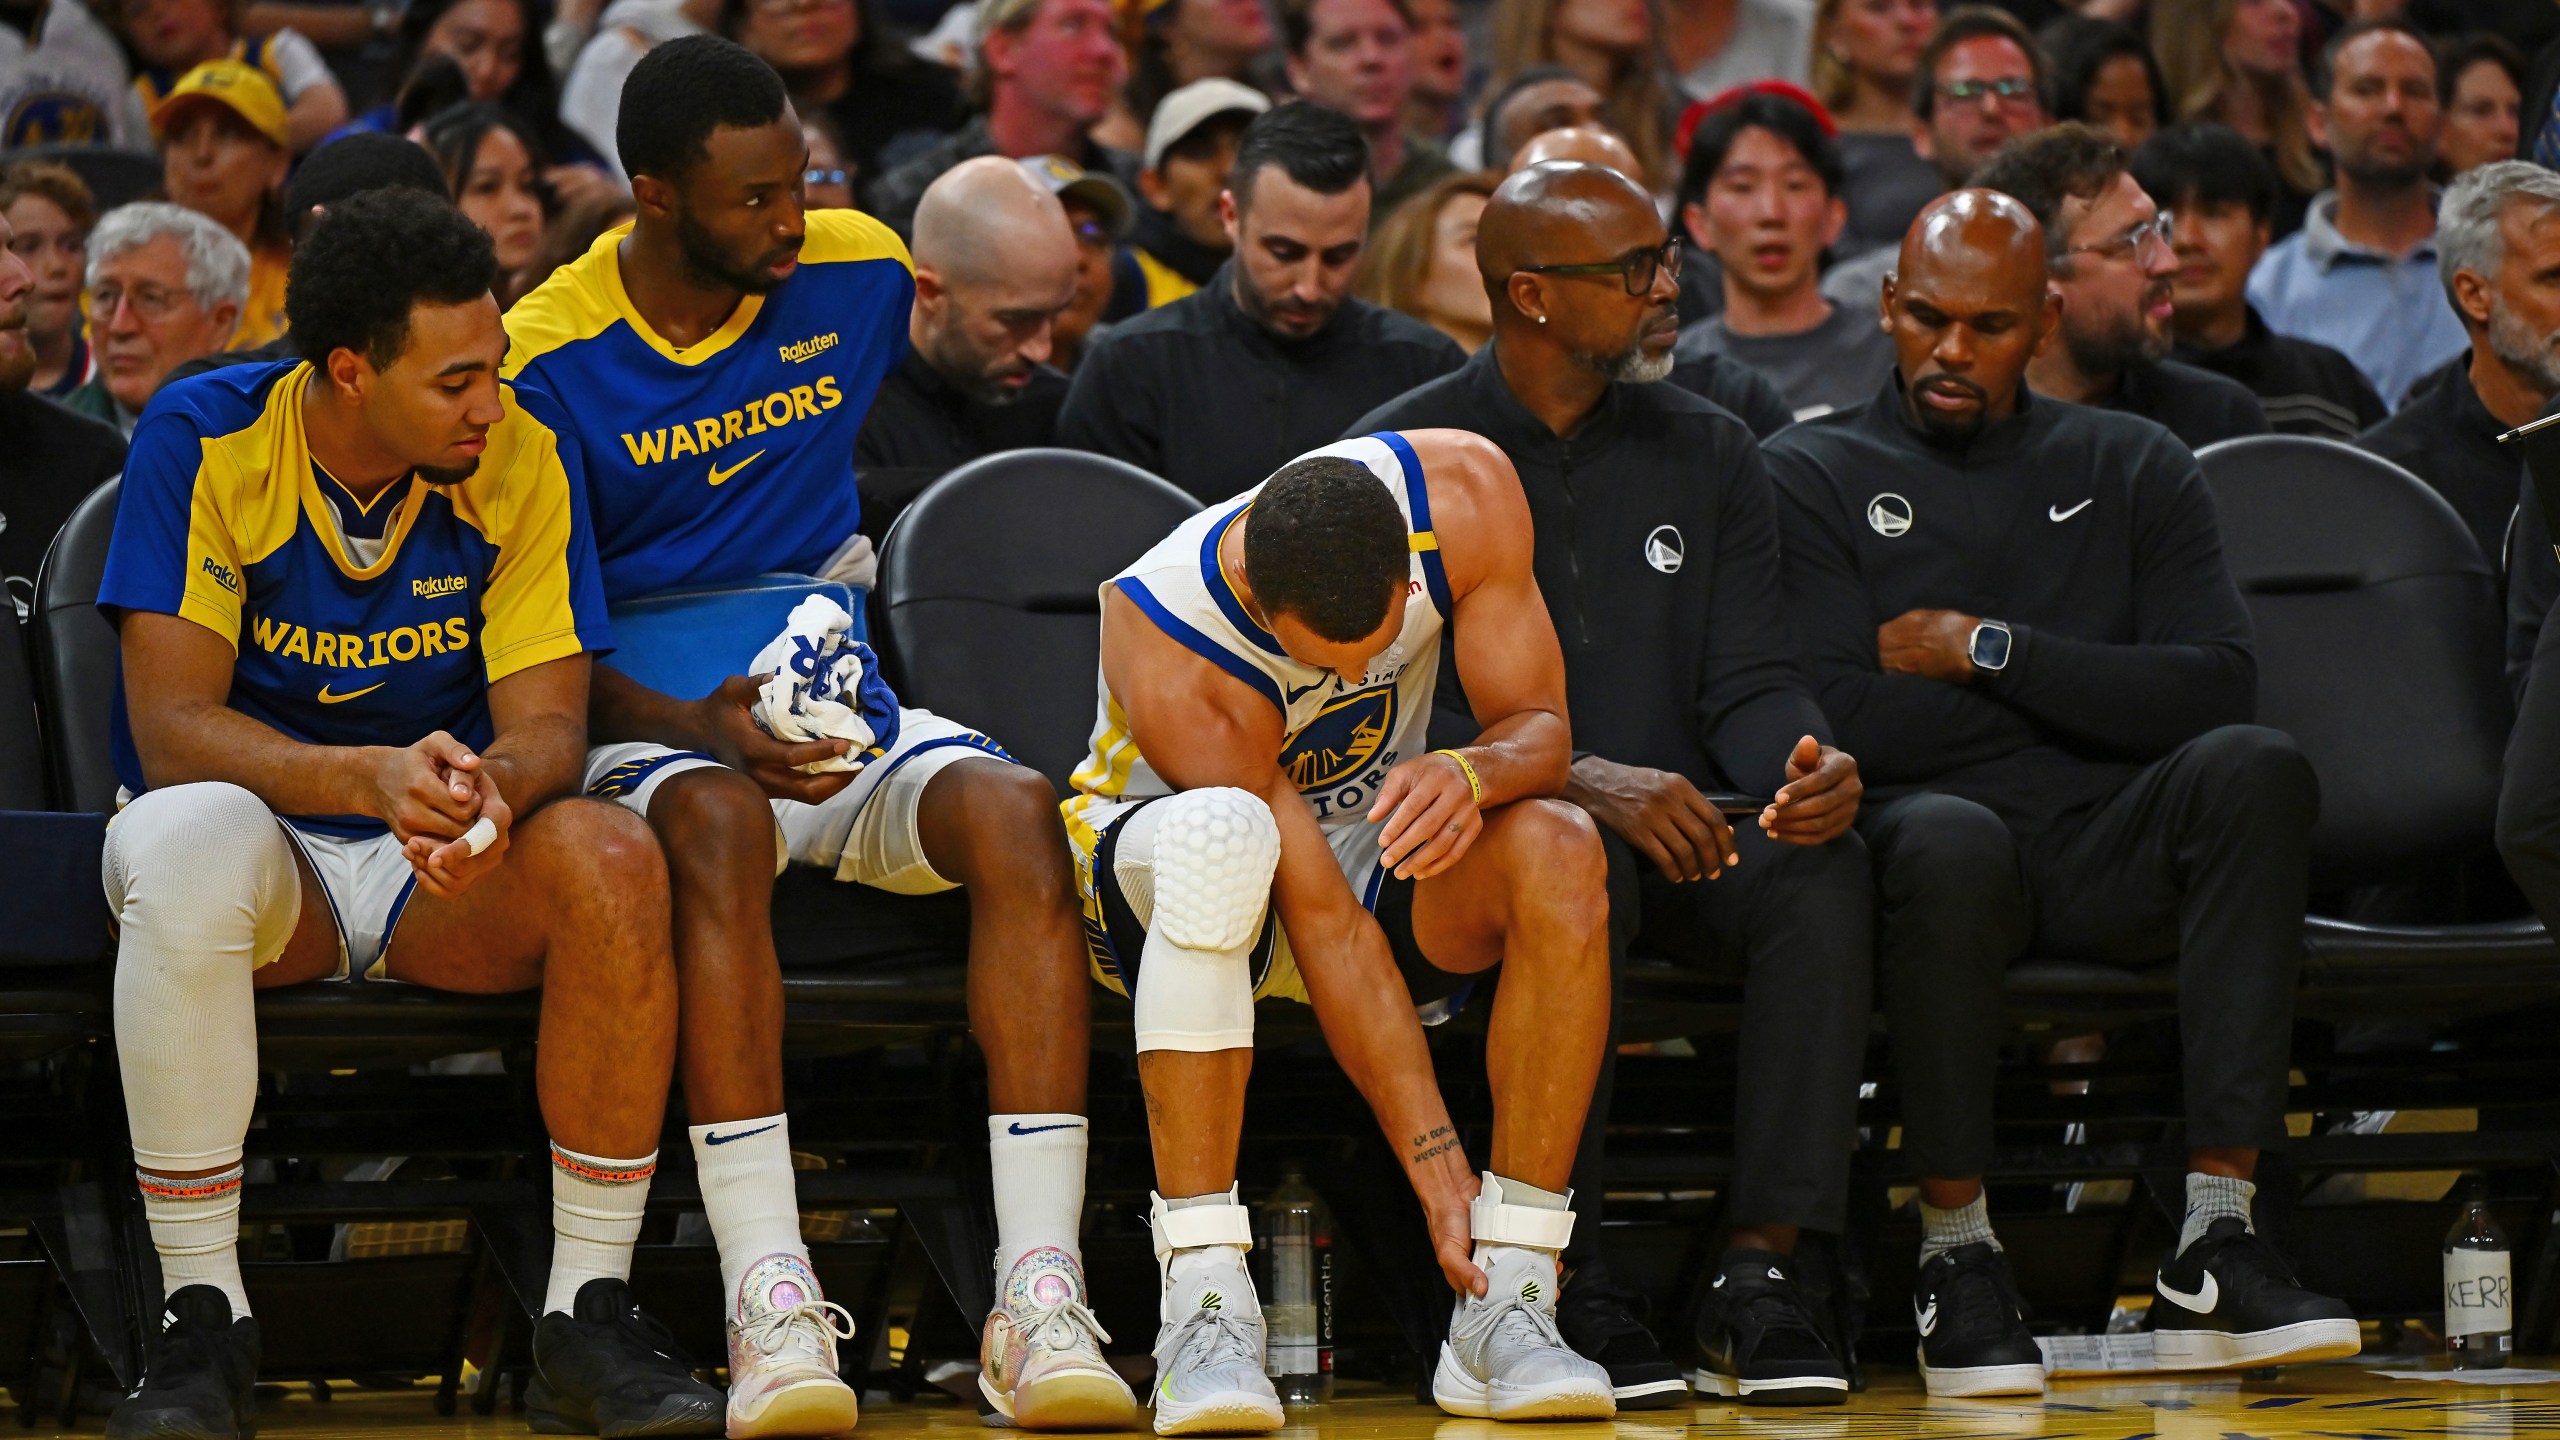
[1757,298]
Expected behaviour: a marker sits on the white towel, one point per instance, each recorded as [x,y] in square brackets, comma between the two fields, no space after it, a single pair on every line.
[816,689]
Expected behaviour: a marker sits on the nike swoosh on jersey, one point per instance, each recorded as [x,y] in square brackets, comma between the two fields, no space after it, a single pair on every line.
[713,1137]
[1304,691]
[2202,1302]
[721,477]
[2054,513]
[328,699]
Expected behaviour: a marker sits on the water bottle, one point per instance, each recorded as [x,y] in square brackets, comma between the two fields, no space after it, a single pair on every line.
[2479,1289]
[1297,1303]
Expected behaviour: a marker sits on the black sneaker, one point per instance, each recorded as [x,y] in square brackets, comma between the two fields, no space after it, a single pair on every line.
[1605,1325]
[1973,1326]
[2230,1302]
[612,1370]
[199,1383]
[1756,1340]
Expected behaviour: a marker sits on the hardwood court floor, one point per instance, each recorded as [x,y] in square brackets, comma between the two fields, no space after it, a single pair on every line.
[2331,1402]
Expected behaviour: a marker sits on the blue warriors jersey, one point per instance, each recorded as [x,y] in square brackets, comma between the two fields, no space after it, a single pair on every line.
[732,458]
[223,521]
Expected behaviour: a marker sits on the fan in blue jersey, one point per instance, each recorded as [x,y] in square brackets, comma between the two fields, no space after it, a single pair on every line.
[717,356]
[357,598]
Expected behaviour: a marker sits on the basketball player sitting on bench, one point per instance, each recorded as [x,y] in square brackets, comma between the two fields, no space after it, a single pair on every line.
[1267,673]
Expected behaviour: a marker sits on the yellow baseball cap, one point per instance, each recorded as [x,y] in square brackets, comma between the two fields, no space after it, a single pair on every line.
[235,85]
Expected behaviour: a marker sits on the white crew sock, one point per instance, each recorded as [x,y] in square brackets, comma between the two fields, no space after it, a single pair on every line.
[748,1194]
[195,1225]
[1038,1162]
[595,1220]
[2211,1198]
[1954,1228]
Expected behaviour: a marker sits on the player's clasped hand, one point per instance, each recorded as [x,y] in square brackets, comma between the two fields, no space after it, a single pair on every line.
[733,737]
[1820,798]
[1427,816]
[430,794]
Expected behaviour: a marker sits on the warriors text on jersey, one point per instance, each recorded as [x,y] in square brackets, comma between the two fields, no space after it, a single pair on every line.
[354,624]
[734,457]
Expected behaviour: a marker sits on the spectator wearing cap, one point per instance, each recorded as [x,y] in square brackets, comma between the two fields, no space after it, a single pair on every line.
[2109,253]
[1190,143]
[1766,175]
[64,80]
[52,457]
[175,38]
[2223,191]
[2360,275]
[1981,84]
[166,285]
[1103,218]
[1356,56]
[1865,53]
[225,148]
[1047,72]
[1273,357]
[49,211]
[995,265]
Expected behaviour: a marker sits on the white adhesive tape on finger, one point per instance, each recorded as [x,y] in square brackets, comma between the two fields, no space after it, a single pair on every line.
[482,834]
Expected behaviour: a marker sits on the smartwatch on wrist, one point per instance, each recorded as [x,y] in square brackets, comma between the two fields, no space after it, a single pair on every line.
[1989,646]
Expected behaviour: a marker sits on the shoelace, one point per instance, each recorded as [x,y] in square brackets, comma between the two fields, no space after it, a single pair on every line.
[771,1331]
[1072,1314]
[1483,1317]
[2261,1265]
[1210,1336]
[1977,1308]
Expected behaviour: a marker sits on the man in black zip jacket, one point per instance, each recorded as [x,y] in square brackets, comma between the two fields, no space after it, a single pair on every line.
[1656,550]
[2017,613]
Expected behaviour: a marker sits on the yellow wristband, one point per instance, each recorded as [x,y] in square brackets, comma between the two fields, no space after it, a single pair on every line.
[1466,767]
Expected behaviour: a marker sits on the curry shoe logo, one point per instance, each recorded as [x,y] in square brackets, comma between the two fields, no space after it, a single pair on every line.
[1664,550]
[809,349]
[1212,1300]
[1341,741]
[1889,515]
[1529,1291]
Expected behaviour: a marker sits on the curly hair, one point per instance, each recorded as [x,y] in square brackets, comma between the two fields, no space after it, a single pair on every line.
[373,259]
[2070,161]
[1326,544]
[682,91]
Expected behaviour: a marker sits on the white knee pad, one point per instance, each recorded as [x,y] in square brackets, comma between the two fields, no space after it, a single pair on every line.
[1213,855]
[203,887]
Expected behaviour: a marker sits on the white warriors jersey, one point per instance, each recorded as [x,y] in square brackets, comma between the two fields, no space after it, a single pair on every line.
[1341,736]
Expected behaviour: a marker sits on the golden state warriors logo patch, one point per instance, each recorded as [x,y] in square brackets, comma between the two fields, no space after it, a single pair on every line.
[1342,742]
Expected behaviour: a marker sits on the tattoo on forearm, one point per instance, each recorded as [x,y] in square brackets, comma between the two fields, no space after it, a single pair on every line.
[1442,1140]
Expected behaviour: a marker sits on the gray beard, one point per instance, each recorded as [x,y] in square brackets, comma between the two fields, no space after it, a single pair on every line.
[1631,366]
[2537,356]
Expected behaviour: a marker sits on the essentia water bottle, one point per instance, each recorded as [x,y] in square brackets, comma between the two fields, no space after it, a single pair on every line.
[2479,1288]
[1297,1308]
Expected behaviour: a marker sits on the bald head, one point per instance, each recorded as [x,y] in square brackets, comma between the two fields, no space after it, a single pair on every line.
[1571,259]
[1967,309]
[995,263]
[1983,236]
[1562,212]
[1581,145]
[987,216]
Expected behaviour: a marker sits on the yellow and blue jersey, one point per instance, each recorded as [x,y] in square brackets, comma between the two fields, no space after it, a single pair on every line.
[734,457]
[224,520]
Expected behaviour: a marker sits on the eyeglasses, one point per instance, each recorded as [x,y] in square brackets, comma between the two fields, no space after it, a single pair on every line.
[2162,227]
[1089,230]
[823,177]
[2008,90]
[150,303]
[1637,269]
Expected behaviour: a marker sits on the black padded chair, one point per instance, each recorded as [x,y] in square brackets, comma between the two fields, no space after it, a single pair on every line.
[22,785]
[76,656]
[988,592]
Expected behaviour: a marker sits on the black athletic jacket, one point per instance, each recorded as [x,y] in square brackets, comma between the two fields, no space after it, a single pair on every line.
[1657,552]
[2090,533]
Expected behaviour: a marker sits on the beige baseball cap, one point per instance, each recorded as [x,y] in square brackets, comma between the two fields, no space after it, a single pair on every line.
[1195,105]
[1070,181]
